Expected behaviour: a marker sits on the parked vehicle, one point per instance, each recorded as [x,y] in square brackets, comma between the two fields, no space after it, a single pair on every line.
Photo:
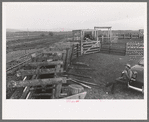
[135,75]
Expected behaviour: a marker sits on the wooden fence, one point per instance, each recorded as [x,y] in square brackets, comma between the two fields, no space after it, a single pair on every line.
[76,51]
[113,48]
[135,49]
[73,50]
[90,47]
[94,47]
[129,36]
[131,48]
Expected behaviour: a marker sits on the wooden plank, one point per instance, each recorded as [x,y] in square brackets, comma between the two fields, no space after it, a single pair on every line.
[136,55]
[77,49]
[29,95]
[91,48]
[77,96]
[92,52]
[58,69]
[89,42]
[53,93]
[64,57]
[35,64]
[66,60]
[37,88]
[37,82]
[58,90]
[16,92]
[117,50]
[82,68]
[69,54]
[41,94]
[86,45]
[35,71]
[49,52]
[74,55]
[71,57]
[80,83]
[25,92]
[135,52]
[78,75]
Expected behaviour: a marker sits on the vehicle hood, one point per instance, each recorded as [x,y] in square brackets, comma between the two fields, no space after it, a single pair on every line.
[140,72]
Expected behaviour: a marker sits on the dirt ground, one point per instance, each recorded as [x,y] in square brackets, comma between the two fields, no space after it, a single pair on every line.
[107,69]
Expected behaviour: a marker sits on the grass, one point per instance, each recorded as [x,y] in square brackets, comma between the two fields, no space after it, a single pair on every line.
[34,43]
[15,54]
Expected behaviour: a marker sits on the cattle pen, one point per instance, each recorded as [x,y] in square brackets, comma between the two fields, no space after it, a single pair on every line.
[44,74]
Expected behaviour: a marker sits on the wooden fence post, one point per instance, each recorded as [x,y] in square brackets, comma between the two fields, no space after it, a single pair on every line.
[58,90]
[126,49]
[102,39]
[77,50]
[80,48]
[71,57]
[73,36]
[109,47]
[130,36]
[66,59]
[81,42]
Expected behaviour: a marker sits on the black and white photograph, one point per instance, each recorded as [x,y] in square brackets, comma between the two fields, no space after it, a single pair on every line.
[73,57]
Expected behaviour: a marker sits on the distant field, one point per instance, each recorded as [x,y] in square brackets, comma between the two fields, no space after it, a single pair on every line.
[30,40]
[15,54]
[11,36]
[22,35]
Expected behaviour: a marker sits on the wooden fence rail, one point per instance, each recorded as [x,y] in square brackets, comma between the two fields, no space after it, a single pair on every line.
[114,48]
[129,36]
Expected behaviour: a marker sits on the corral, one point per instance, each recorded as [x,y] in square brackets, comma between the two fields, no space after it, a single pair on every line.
[103,66]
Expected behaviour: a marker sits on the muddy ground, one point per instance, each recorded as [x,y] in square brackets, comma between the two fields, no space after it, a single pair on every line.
[104,68]
[107,68]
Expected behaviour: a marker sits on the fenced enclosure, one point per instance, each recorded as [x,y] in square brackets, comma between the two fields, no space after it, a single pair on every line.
[76,51]
[113,48]
[129,36]
[135,49]
[46,70]
[130,48]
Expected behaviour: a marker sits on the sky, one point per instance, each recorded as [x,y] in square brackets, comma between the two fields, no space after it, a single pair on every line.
[63,16]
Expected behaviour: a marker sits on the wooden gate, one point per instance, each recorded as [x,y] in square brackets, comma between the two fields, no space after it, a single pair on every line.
[90,47]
